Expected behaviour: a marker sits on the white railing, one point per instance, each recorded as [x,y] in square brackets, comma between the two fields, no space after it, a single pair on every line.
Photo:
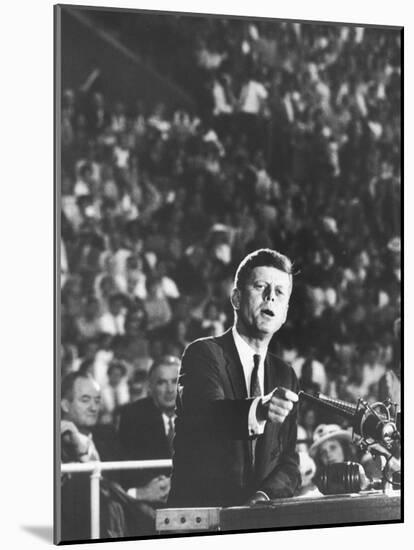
[95,468]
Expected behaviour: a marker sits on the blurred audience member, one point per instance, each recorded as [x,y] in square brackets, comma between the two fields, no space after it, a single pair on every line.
[115,393]
[112,322]
[307,468]
[156,305]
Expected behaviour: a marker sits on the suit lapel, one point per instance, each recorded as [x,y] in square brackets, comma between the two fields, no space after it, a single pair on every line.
[233,366]
[235,373]
[157,435]
[164,450]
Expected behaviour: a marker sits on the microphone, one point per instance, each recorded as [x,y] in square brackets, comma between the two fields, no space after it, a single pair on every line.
[368,421]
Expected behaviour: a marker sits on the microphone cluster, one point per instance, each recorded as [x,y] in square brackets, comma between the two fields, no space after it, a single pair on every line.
[374,423]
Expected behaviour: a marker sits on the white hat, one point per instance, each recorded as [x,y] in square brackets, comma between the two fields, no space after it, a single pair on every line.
[327,431]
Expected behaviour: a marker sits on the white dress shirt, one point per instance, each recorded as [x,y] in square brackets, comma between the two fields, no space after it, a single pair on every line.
[166,420]
[246,354]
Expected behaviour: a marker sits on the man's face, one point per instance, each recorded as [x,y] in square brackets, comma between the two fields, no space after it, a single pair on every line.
[262,304]
[83,409]
[163,386]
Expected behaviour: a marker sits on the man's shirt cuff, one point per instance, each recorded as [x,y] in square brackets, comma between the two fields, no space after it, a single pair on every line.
[255,427]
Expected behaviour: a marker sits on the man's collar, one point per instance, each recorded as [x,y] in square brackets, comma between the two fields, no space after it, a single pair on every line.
[243,346]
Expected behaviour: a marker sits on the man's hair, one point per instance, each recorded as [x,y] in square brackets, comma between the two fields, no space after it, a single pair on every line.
[262,257]
[68,383]
[165,361]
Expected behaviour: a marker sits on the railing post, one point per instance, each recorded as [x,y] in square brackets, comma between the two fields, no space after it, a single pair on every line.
[96,469]
[95,501]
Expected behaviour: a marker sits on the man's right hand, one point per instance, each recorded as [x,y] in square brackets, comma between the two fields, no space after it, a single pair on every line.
[72,437]
[276,406]
[156,490]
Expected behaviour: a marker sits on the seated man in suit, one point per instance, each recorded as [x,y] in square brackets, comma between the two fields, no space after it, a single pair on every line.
[82,440]
[237,403]
[146,430]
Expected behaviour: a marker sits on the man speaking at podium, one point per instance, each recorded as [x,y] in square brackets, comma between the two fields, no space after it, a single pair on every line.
[237,403]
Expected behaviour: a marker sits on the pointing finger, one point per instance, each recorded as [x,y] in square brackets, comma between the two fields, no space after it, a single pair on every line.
[284,393]
[276,403]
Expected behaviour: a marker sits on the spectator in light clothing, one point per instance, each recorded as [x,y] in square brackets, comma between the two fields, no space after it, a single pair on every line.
[224,102]
[112,322]
[156,305]
[372,370]
[115,393]
[252,105]
[84,183]
[252,97]
[89,325]
[212,322]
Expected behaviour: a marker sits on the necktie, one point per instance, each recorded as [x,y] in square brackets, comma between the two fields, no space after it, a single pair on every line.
[170,435]
[255,390]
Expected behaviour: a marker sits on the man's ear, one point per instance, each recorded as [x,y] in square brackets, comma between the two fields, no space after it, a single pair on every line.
[235,298]
[64,403]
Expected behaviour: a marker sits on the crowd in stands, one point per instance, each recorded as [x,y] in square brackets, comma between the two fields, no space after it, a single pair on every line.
[295,145]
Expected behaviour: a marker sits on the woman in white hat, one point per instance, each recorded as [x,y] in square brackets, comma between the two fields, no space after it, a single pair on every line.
[331,445]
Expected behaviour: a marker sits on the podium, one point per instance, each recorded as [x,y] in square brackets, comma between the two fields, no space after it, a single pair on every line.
[370,507]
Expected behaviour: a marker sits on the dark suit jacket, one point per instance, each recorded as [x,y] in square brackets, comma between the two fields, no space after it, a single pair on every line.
[212,463]
[142,436]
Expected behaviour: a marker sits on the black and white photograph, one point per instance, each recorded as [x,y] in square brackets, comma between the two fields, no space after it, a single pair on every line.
[228,226]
